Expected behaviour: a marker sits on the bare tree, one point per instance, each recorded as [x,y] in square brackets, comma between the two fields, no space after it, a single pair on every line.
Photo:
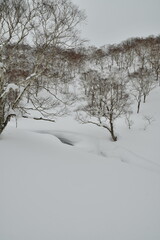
[106,100]
[15,24]
[43,24]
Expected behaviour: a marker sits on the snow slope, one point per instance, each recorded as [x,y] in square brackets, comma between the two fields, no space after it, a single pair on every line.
[92,189]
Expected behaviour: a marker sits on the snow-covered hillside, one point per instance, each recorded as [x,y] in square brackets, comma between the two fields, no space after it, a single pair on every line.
[90,189]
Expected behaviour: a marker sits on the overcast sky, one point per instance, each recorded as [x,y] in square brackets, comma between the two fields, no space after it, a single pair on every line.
[112,21]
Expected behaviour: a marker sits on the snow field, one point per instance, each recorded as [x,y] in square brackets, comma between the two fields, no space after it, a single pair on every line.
[95,189]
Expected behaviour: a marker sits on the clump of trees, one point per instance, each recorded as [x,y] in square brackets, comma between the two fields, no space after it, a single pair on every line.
[116,76]
[30,33]
[142,84]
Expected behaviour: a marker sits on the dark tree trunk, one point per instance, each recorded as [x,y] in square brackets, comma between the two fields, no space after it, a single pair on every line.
[4,119]
[114,138]
[1,116]
[138,107]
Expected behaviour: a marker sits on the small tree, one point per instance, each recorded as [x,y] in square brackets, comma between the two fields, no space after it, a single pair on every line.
[106,100]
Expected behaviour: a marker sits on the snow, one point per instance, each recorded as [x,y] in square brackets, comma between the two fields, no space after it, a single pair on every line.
[8,88]
[31,76]
[1,64]
[91,189]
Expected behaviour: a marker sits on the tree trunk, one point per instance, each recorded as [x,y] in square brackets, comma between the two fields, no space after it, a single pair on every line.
[2,102]
[138,107]
[1,116]
[114,138]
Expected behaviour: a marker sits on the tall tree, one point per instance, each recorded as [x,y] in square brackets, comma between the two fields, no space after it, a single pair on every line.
[43,24]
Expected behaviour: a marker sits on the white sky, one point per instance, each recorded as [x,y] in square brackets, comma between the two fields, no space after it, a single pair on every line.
[112,21]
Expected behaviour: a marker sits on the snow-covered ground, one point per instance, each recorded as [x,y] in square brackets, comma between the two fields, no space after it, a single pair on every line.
[88,189]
